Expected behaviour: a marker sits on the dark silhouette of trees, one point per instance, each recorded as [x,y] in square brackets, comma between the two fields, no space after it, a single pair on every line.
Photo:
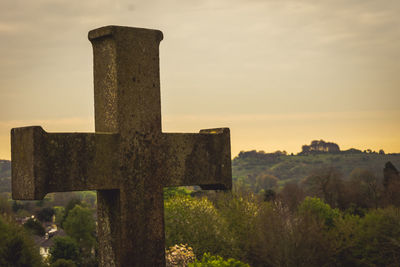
[327,184]
[364,189]
[318,146]
[291,195]
[35,227]
[16,246]
[64,248]
[391,184]
[45,214]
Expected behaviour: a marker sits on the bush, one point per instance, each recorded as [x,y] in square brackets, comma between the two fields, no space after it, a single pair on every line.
[316,207]
[45,215]
[80,225]
[16,247]
[217,261]
[271,234]
[34,227]
[378,238]
[63,263]
[239,214]
[195,222]
[170,192]
[64,248]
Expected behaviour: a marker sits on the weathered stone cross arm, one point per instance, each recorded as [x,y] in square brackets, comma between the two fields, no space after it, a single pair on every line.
[58,162]
[198,159]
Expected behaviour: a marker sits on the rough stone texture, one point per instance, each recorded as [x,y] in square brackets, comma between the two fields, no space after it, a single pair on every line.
[128,160]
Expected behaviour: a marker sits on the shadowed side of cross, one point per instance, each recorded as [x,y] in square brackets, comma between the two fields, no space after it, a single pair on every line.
[128,160]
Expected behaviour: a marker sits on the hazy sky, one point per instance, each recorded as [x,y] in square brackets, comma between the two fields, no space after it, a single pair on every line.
[279,73]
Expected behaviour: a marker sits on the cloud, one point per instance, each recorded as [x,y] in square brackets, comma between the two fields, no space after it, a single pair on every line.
[217,58]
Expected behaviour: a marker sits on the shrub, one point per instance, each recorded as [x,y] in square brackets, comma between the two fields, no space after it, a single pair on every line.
[240,213]
[195,222]
[64,248]
[378,238]
[209,260]
[316,207]
[34,227]
[16,247]
[63,263]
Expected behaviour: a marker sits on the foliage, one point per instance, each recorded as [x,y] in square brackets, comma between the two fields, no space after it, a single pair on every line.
[70,205]
[170,192]
[239,213]
[5,176]
[317,208]
[269,195]
[45,214]
[63,263]
[295,168]
[325,183]
[291,195]
[195,222]
[209,260]
[88,197]
[365,188]
[64,248]
[80,225]
[379,238]
[179,255]
[284,238]
[320,146]
[60,214]
[35,227]
[17,205]
[16,247]
[5,206]
[269,234]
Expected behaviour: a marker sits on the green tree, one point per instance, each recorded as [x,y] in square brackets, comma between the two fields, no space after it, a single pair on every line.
[80,225]
[71,204]
[45,214]
[325,183]
[209,260]
[291,195]
[316,207]
[63,263]
[59,212]
[64,248]
[5,206]
[89,198]
[239,213]
[365,188]
[195,222]
[34,227]
[16,247]
[265,182]
[378,238]
[170,192]
[269,195]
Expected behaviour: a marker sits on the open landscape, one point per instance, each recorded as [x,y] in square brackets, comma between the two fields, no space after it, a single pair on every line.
[316,208]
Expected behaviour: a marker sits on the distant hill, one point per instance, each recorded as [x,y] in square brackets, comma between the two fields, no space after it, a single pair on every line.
[282,166]
[5,176]
[319,154]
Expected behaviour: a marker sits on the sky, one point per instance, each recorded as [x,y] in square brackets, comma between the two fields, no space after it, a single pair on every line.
[278,73]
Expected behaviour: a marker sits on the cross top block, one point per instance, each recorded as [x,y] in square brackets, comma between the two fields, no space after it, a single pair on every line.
[113,30]
[128,159]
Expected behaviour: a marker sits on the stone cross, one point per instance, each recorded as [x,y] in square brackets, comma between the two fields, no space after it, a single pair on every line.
[128,159]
